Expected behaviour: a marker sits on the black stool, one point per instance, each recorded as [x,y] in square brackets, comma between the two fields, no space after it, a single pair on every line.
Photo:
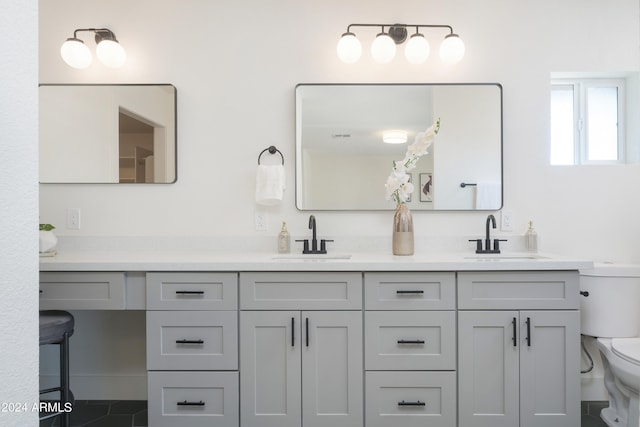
[56,327]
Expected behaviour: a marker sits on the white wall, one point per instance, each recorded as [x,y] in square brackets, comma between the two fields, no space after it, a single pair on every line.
[18,211]
[236,63]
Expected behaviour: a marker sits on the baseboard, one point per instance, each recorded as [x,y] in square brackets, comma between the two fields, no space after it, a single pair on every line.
[592,388]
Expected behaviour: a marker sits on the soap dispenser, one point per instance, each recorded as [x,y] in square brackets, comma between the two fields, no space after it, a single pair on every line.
[531,239]
[284,240]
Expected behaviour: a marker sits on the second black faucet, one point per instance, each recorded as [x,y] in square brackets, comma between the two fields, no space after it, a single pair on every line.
[491,222]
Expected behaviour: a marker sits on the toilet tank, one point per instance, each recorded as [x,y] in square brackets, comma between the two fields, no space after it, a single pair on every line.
[612,308]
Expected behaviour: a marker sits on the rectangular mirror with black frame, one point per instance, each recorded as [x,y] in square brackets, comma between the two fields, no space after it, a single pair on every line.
[342,162]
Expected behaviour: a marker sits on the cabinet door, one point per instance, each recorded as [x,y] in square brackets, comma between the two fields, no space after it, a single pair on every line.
[270,366]
[332,375]
[488,369]
[549,373]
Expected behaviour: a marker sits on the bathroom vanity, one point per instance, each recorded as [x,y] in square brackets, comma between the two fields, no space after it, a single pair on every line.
[374,340]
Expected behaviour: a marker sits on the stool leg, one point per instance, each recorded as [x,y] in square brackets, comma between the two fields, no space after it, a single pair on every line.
[64,380]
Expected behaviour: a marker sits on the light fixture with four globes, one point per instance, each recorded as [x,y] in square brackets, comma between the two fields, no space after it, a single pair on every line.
[383,48]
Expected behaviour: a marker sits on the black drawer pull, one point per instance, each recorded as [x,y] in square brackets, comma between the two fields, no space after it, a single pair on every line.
[410,341]
[528,331]
[514,338]
[189,341]
[417,403]
[185,403]
[417,291]
[189,292]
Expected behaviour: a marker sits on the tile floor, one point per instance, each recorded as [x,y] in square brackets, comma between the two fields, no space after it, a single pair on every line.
[133,413]
[105,413]
[591,414]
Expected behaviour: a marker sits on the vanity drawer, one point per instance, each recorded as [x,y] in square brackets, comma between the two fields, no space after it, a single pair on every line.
[515,290]
[301,291]
[410,399]
[410,340]
[192,340]
[193,399]
[192,291]
[410,291]
[82,291]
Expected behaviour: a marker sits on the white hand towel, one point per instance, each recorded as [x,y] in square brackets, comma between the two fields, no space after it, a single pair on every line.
[270,184]
[488,195]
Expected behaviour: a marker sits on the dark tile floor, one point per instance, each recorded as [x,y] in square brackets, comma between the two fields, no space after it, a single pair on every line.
[591,414]
[133,413]
[105,413]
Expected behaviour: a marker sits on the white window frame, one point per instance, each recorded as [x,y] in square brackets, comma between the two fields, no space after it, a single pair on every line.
[580,109]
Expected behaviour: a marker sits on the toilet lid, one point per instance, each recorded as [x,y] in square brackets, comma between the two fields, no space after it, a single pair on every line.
[627,348]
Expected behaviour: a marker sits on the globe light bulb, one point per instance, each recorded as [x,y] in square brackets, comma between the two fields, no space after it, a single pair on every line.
[383,48]
[349,48]
[451,49]
[417,49]
[111,53]
[75,53]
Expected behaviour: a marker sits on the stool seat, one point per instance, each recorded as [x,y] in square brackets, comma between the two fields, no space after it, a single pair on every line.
[53,325]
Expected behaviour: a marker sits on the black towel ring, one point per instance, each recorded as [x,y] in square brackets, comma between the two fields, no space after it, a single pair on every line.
[272,150]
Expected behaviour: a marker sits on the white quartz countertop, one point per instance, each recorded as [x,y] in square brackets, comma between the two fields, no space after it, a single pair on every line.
[202,260]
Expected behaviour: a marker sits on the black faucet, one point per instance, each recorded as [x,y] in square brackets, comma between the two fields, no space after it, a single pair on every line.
[487,240]
[314,240]
[491,221]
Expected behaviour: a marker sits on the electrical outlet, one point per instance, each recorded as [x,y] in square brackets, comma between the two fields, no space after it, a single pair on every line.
[261,221]
[73,218]
[506,223]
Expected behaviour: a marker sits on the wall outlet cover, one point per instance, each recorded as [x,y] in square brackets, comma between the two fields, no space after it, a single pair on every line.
[506,221]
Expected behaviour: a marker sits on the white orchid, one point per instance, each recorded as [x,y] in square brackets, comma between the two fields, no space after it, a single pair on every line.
[398,186]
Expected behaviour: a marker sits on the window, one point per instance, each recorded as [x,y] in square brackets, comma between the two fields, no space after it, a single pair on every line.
[586,121]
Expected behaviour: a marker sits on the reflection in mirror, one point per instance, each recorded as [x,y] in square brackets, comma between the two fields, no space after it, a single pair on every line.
[107,133]
[342,162]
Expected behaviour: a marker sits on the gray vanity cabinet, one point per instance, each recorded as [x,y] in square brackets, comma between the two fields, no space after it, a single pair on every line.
[301,349]
[518,347]
[348,348]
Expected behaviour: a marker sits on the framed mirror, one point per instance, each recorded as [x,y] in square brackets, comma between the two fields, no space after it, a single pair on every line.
[342,162]
[107,133]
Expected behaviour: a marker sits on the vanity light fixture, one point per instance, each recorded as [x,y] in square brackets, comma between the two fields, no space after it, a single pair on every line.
[77,55]
[394,136]
[383,48]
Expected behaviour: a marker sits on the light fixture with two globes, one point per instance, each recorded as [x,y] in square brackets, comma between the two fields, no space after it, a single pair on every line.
[108,50]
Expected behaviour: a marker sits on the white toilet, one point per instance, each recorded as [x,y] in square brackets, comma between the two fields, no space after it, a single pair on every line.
[611,313]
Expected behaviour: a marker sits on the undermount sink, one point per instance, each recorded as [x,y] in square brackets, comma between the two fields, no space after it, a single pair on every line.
[312,256]
[505,257]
